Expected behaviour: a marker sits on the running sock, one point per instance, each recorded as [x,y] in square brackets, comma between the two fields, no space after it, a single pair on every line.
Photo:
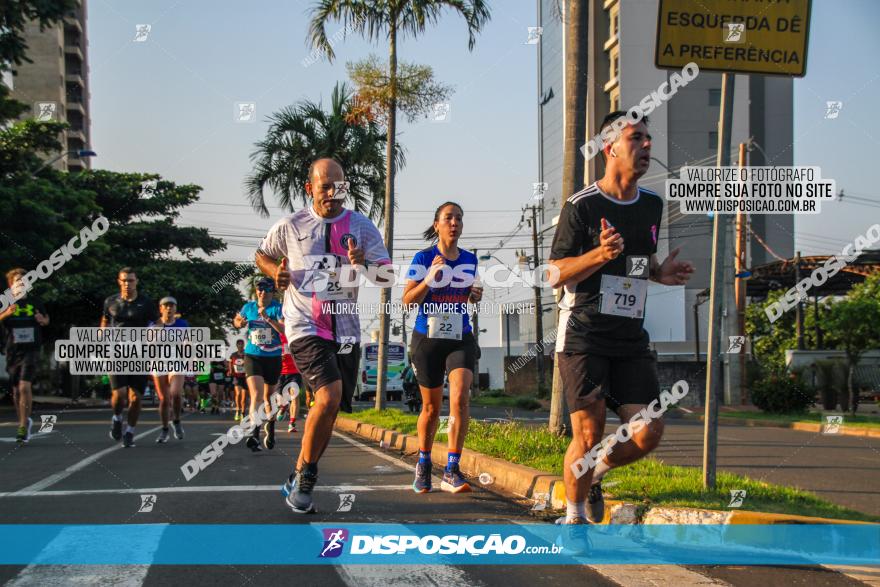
[600,470]
[129,428]
[575,510]
[424,457]
[117,417]
[452,459]
[175,422]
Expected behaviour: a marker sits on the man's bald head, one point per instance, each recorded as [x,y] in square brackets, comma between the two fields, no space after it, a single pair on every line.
[324,176]
[325,166]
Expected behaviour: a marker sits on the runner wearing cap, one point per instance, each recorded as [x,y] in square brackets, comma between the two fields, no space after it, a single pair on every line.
[262,361]
[128,309]
[169,385]
[309,250]
[23,322]
[239,379]
[442,341]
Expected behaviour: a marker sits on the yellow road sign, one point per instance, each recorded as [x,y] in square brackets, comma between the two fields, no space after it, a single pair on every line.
[741,36]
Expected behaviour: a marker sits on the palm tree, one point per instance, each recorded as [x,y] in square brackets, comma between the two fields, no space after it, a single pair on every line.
[303,132]
[385,21]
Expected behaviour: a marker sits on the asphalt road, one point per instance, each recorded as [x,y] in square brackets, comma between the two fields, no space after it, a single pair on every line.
[77,475]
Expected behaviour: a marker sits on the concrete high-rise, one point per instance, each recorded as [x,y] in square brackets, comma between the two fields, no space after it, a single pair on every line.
[55,85]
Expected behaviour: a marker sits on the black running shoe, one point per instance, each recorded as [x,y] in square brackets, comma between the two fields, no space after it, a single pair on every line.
[596,504]
[269,434]
[178,430]
[253,443]
[116,430]
[128,440]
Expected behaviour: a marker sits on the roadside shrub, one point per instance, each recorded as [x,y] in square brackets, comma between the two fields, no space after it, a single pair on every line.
[525,402]
[782,393]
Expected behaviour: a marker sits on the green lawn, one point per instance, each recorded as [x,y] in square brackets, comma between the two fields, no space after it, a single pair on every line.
[524,402]
[648,481]
[859,421]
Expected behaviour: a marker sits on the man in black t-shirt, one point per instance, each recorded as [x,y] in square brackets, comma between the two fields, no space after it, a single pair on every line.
[128,309]
[605,249]
[23,322]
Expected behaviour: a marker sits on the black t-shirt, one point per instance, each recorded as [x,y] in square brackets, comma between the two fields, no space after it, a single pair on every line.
[218,371]
[135,314]
[582,328]
[23,332]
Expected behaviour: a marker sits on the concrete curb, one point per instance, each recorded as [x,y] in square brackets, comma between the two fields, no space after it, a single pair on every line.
[801,426]
[528,483]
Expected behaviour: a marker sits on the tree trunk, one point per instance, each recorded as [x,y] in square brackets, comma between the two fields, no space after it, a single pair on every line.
[576,22]
[384,317]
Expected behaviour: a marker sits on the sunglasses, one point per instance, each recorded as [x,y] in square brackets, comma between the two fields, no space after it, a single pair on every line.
[265,288]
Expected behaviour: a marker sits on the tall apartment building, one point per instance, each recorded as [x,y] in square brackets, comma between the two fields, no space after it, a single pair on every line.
[621,72]
[55,85]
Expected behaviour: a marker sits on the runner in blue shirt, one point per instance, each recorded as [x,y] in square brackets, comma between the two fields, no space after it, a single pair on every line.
[262,355]
[169,386]
[441,279]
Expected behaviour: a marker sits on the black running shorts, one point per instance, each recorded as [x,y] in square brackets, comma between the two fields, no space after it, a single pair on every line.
[321,363]
[432,358]
[269,368]
[293,382]
[587,378]
[135,382]
[21,366]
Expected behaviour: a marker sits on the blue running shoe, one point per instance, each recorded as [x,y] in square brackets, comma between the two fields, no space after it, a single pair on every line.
[454,481]
[298,489]
[422,483]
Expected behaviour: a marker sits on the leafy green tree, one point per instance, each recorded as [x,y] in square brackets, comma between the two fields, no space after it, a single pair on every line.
[386,21]
[301,133]
[855,322]
[41,215]
[416,93]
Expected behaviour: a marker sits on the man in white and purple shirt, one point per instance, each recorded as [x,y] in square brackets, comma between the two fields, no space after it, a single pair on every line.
[307,253]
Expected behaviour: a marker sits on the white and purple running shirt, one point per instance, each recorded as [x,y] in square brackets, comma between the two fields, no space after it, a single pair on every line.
[314,245]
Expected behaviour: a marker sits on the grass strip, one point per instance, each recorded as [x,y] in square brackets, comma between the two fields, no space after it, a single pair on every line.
[648,481]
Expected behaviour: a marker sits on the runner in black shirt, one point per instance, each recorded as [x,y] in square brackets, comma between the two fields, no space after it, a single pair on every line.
[129,309]
[23,322]
[604,248]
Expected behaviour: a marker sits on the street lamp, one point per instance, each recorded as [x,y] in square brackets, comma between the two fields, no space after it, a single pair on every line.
[77,154]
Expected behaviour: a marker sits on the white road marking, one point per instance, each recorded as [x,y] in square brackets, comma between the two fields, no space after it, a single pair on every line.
[381,455]
[653,575]
[68,545]
[398,576]
[401,576]
[33,436]
[199,489]
[867,575]
[53,479]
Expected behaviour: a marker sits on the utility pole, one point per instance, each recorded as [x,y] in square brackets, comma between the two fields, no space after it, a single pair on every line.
[475,384]
[539,311]
[799,309]
[734,296]
[714,373]
[740,290]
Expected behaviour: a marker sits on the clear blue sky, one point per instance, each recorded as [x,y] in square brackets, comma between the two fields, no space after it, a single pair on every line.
[166,106]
